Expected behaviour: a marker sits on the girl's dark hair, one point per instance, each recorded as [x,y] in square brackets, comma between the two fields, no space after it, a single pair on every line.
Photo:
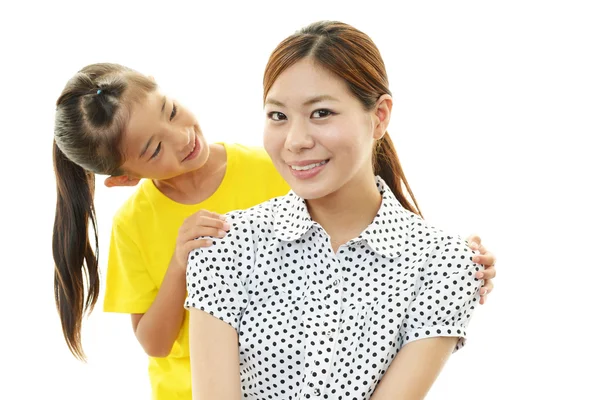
[350,54]
[91,114]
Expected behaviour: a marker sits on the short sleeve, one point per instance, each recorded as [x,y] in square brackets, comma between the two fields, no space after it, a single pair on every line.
[216,275]
[129,287]
[447,294]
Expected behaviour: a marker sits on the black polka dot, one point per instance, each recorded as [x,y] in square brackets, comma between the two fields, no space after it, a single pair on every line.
[313,323]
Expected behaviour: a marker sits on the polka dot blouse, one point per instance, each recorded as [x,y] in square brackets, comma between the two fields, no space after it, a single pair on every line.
[316,324]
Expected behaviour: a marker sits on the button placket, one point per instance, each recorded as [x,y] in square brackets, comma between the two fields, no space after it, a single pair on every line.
[323,322]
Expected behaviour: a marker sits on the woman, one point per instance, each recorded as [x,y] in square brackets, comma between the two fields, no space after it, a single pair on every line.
[339,289]
[111,120]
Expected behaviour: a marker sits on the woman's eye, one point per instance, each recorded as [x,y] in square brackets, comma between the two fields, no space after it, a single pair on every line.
[277,116]
[157,151]
[173,113]
[321,114]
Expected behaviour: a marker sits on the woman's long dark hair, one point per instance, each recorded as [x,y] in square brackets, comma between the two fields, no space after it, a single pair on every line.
[350,54]
[91,113]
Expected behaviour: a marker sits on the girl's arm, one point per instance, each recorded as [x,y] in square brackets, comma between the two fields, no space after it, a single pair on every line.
[414,369]
[214,358]
[158,328]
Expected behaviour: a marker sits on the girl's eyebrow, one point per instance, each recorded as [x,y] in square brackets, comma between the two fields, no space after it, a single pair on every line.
[146,146]
[162,110]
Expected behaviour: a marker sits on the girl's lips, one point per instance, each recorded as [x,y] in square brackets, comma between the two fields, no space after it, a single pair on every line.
[196,150]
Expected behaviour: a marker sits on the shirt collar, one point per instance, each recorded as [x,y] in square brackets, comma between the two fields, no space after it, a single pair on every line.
[385,235]
[292,219]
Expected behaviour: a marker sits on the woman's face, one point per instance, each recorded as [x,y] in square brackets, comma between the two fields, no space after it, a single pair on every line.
[317,133]
[162,139]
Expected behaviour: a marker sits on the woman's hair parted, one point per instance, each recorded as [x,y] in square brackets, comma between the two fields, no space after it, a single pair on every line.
[91,113]
[351,55]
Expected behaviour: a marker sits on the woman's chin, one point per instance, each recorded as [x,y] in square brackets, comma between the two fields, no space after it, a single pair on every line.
[309,190]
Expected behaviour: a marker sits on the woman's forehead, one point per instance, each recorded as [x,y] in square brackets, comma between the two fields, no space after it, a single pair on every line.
[306,81]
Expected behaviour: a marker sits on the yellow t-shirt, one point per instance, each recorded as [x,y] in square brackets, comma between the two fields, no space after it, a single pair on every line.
[143,241]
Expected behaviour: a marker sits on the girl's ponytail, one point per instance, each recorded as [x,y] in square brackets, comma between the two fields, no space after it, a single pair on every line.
[76,276]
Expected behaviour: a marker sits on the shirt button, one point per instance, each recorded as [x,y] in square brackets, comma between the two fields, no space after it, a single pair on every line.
[317,392]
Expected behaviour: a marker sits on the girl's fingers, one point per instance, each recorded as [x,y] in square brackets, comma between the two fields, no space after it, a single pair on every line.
[486,259]
[474,242]
[196,244]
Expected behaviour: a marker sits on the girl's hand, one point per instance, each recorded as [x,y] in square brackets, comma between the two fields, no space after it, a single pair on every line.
[202,223]
[488,260]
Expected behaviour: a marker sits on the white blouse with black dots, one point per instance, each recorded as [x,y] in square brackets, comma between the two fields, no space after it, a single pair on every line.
[322,325]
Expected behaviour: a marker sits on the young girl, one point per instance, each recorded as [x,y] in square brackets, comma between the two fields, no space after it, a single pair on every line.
[114,121]
[338,290]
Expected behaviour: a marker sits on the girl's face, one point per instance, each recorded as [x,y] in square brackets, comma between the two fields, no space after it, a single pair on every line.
[317,133]
[162,139]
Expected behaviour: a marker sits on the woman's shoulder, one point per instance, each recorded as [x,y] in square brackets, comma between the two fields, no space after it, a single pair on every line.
[432,238]
[262,214]
[263,221]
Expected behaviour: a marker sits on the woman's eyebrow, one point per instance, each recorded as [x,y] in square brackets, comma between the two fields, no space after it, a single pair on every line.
[317,99]
[308,102]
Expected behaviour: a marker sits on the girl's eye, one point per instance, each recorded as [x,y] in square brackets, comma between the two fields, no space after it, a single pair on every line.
[321,113]
[157,151]
[277,116]
[173,113]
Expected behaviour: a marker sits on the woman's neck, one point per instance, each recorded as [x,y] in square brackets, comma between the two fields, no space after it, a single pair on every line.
[196,186]
[347,212]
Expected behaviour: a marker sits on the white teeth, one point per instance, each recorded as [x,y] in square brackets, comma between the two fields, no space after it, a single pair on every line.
[307,167]
[191,151]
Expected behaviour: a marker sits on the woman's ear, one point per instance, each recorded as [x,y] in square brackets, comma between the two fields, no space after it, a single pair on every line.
[383,113]
[121,180]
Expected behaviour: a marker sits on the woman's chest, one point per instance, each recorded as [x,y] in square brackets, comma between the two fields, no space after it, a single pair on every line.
[306,303]
[285,274]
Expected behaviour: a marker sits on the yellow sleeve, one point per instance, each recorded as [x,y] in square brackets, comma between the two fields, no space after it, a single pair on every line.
[267,174]
[129,287]
[277,185]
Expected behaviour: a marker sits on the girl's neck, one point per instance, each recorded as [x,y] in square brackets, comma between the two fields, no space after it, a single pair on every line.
[347,212]
[196,186]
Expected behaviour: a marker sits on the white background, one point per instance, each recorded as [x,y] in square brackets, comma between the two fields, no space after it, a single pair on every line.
[496,109]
